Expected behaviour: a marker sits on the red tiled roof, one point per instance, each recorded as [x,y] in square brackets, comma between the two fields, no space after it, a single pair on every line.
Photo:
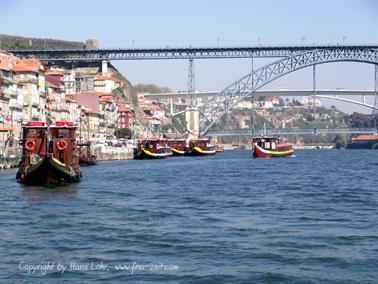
[106,98]
[52,85]
[123,109]
[25,68]
[89,101]
[95,93]
[52,81]
[54,73]
[28,65]
[106,78]
[91,111]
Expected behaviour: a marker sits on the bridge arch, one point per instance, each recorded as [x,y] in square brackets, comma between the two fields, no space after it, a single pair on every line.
[347,101]
[230,96]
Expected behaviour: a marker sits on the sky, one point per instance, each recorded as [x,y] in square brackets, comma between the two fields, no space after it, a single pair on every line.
[117,23]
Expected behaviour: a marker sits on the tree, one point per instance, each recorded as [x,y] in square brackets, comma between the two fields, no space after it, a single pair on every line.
[339,141]
[359,120]
[123,133]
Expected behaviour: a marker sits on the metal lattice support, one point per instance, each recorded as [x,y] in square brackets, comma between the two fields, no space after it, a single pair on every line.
[375,113]
[228,98]
[191,84]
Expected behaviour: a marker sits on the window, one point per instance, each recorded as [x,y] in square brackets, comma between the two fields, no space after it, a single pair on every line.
[273,145]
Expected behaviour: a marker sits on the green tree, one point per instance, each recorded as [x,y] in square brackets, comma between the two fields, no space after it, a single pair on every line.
[123,133]
[339,141]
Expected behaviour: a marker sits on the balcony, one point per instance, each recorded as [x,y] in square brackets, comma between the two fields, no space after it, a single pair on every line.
[33,81]
[15,105]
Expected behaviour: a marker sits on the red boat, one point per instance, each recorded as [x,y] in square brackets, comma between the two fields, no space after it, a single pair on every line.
[152,148]
[49,154]
[178,146]
[201,147]
[271,147]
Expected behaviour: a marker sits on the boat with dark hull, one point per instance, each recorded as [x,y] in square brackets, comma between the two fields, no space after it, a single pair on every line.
[369,141]
[178,147]
[201,147]
[49,154]
[152,148]
[271,147]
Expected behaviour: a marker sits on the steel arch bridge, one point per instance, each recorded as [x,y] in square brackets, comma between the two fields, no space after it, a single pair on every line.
[364,104]
[228,98]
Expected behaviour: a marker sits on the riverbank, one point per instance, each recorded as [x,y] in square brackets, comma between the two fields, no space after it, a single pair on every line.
[112,153]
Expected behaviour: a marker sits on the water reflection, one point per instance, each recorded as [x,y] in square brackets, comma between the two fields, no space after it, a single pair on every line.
[36,193]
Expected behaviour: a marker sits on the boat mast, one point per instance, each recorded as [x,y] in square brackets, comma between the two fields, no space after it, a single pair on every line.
[48,116]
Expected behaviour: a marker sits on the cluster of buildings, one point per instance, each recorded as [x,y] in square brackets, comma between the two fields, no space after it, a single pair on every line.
[274,102]
[154,113]
[29,91]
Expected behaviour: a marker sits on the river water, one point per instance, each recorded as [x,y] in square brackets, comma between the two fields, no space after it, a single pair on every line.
[312,218]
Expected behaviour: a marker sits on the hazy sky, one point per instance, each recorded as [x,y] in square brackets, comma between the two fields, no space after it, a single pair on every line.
[205,23]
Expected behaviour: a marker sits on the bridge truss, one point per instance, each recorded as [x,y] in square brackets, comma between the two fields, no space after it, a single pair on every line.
[176,53]
[218,105]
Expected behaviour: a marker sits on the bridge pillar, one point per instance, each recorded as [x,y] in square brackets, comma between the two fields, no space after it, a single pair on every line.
[104,67]
[192,120]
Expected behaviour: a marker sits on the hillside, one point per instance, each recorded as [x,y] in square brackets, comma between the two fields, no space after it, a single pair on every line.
[10,42]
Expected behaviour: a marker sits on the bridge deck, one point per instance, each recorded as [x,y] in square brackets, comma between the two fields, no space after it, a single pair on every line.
[176,53]
[286,132]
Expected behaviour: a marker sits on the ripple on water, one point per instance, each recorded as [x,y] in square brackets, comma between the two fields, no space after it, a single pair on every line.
[221,219]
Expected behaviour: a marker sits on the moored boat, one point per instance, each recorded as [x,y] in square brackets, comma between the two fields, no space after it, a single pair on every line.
[366,141]
[178,146]
[152,148]
[271,147]
[201,147]
[49,154]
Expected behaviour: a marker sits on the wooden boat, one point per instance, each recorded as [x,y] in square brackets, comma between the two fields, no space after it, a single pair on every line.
[152,148]
[85,156]
[49,154]
[178,146]
[201,147]
[270,147]
[367,141]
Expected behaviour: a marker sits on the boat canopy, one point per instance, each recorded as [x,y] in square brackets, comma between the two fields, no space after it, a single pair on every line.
[35,123]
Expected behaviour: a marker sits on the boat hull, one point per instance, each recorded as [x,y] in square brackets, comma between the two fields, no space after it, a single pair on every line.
[278,153]
[48,171]
[369,144]
[196,151]
[85,161]
[178,153]
[147,155]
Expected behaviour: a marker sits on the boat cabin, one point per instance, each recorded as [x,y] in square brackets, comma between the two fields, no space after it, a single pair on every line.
[34,137]
[267,143]
[153,145]
[62,143]
[178,144]
[203,144]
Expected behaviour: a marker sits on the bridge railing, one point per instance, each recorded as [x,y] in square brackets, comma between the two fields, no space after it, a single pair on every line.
[286,132]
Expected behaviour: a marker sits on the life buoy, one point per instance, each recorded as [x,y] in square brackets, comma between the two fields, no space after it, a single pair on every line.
[30,145]
[61,145]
